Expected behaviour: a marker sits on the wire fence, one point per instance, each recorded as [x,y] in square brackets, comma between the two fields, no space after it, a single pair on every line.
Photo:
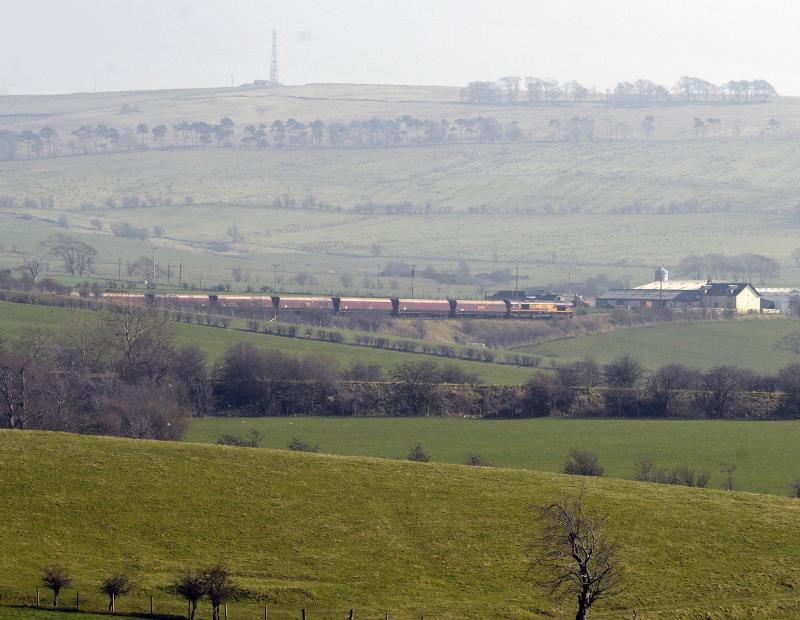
[162,605]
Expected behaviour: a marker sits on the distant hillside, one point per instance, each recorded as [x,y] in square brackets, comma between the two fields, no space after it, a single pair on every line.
[332,102]
[331,533]
[561,210]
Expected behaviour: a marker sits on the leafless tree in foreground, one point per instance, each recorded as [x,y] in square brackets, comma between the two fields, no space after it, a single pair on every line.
[574,556]
[191,586]
[115,586]
[220,588]
[56,578]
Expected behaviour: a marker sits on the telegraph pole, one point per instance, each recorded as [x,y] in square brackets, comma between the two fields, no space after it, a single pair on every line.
[154,267]
[413,270]
[275,268]
[273,68]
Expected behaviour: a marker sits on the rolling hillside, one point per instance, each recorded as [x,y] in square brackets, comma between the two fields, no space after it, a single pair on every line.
[331,533]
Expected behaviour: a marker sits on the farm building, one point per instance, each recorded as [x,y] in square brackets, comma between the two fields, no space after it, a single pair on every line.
[779,299]
[740,297]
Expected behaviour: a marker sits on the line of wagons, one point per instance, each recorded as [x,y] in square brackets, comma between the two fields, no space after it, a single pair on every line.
[394,306]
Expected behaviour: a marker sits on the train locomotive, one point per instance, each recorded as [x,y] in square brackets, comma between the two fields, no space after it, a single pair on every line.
[393,306]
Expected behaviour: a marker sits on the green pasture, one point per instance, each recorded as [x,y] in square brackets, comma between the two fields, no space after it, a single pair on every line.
[333,533]
[765,453]
[746,343]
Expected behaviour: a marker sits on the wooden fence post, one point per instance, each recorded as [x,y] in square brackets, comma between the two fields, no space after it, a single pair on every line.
[151,604]
[266,613]
[350,617]
[304,613]
[77,600]
[38,600]
[226,611]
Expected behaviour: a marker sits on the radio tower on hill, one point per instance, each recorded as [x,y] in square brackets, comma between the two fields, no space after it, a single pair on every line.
[273,68]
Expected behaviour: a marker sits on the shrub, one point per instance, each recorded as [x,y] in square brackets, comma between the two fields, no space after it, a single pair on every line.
[477,460]
[418,455]
[298,445]
[253,440]
[646,471]
[581,463]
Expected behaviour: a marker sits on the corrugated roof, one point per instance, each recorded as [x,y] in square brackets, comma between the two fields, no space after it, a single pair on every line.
[674,285]
[640,294]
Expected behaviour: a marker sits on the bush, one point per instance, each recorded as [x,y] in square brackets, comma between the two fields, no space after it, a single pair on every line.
[298,445]
[580,463]
[646,471]
[127,231]
[253,440]
[477,460]
[418,455]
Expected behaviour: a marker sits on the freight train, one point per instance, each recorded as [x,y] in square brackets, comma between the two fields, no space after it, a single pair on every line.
[393,306]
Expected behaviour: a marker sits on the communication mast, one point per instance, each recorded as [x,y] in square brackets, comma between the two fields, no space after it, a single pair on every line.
[273,68]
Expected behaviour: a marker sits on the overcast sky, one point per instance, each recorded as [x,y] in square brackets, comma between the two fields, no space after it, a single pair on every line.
[57,46]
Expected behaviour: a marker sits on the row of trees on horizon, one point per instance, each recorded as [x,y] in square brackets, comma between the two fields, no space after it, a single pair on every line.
[516,90]
[372,133]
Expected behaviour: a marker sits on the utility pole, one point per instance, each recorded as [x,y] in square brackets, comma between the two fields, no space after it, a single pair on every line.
[273,68]
[154,267]
[378,292]
[516,283]
[275,267]
[413,271]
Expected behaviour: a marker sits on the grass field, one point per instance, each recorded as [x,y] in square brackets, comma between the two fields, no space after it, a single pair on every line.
[330,533]
[764,452]
[749,343]
[14,318]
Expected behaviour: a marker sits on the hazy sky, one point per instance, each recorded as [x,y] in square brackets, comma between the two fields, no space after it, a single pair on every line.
[54,46]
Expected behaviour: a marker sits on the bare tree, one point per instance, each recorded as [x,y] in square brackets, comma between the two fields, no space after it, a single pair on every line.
[139,340]
[728,469]
[624,372]
[191,586]
[115,586]
[78,256]
[574,554]
[33,266]
[219,588]
[56,578]
[648,126]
